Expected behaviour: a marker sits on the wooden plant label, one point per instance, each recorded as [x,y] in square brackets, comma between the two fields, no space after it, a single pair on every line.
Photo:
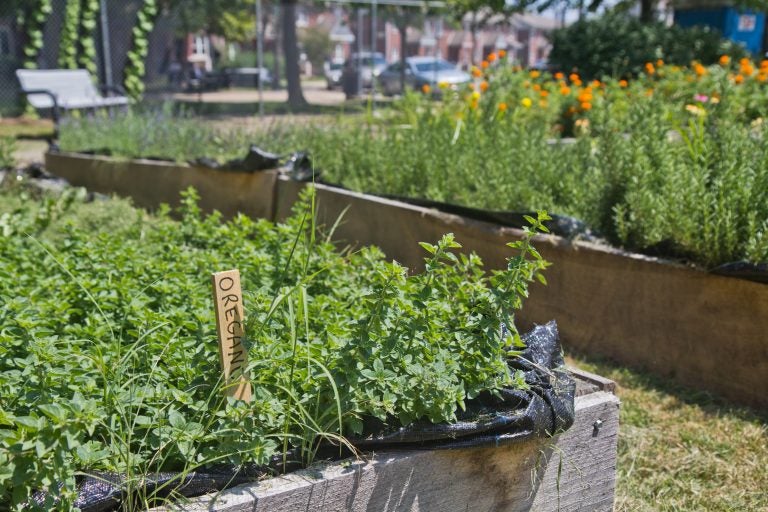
[228,301]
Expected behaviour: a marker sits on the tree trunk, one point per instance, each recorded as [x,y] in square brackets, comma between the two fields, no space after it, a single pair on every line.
[647,11]
[276,52]
[402,28]
[291,51]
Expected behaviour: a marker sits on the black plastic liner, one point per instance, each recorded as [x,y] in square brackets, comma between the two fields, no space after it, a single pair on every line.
[545,409]
[757,272]
[560,225]
[256,159]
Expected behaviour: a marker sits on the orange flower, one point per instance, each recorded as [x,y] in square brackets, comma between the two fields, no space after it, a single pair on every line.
[761,77]
[746,67]
[536,87]
[724,60]
[471,86]
[535,74]
[659,63]
[426,89]
[483,86]
[623,83]
[699,69]
[559,76]
[476,72]
[649,68]
[585,97]
[585,105]
[491,57]
[574,77]
[649,92]
[565,90]
[764,64]
[577,82]
[543,103]
[502,105]
[596,83]
[738,78]
[544,93]
[502,54]
[474,104]
[484,64]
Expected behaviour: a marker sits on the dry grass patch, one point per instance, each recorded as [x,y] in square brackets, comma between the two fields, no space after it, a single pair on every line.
[683,450]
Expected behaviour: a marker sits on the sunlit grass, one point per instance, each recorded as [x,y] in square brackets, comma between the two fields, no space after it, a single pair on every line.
[680,449]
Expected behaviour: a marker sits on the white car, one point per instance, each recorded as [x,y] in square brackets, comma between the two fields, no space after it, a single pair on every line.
[421,71]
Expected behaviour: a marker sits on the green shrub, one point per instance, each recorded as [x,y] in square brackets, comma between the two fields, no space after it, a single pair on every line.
[618,45]
[7,150]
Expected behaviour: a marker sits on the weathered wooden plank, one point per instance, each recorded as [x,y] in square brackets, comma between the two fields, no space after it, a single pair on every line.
[573,472]
[150,183]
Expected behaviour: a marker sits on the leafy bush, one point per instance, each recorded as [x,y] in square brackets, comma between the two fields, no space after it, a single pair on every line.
[619,45]
[7,148]
[108,355]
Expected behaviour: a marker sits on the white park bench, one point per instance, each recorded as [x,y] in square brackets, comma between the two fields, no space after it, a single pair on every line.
[61,90]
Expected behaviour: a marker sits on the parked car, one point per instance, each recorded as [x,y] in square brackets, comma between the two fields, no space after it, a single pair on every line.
[421,71]
[332,70]
[371,65]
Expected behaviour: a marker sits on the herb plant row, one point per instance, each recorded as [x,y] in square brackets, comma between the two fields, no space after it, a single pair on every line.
[108,358]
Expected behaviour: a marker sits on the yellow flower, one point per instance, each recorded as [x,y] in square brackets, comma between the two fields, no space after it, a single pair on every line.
[426,89]
[475,96]
[526,102]
[443,85]
[502,106]
[695,110]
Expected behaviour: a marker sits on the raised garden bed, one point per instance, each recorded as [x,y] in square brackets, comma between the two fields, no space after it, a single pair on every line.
[667,318]
[574,471]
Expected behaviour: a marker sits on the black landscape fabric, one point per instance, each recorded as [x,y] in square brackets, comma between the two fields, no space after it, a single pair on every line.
[544,409]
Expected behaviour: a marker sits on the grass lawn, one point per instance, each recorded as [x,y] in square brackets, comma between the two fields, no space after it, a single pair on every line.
[24,127]
[684,450]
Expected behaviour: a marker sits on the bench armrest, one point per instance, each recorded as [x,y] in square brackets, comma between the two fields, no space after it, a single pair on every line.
[47,93]
[54,108]
[113,88]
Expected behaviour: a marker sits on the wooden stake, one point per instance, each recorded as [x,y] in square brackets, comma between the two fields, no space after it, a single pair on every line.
[228,302]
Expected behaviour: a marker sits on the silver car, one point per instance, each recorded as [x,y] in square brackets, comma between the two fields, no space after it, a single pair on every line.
[421,71]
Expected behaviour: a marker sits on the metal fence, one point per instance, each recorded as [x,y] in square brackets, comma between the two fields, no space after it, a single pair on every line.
[112,38]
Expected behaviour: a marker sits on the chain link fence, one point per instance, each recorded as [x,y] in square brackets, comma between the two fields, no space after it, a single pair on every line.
[112,38]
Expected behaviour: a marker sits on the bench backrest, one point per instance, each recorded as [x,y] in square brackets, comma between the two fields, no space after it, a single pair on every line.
[65,84]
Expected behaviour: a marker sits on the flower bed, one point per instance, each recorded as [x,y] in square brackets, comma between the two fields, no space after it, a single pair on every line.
[671,163]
